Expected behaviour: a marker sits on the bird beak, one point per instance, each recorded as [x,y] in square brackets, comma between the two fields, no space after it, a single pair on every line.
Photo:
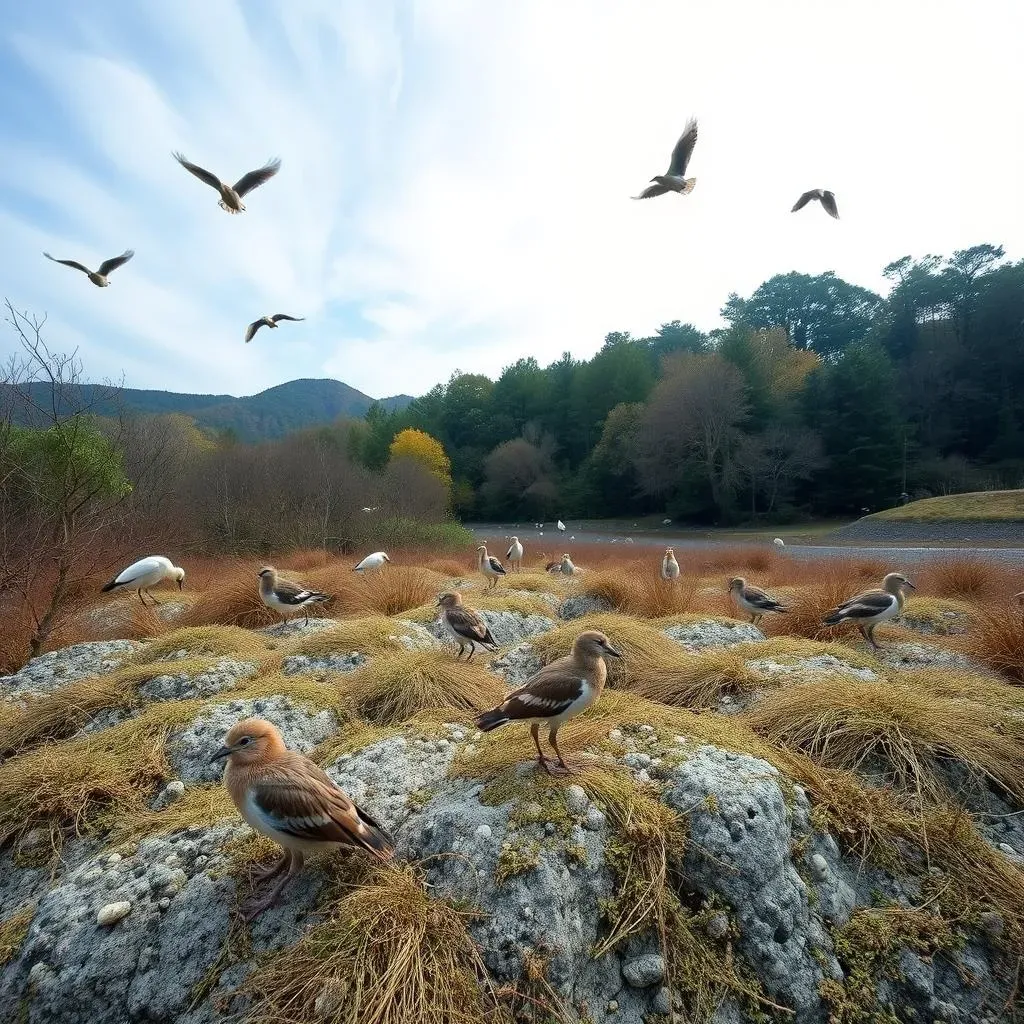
[909,584]
[437,603]
[608,649]
[221,754]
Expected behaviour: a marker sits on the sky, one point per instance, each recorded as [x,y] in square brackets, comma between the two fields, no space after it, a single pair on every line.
[456,174]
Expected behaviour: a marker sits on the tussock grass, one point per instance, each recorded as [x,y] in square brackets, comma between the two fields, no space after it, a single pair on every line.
[933,612]
[200,806]
[697,680]
[532,579]
[523,604]
[13,932]
[905,731]
[450,567]
[213,640]
[232,599]
[369,634]
[971,579]
[395,590]
[384,954]
[396,687]
[812,602]
[748,558]
[961,684]
[637,589]
[996,639]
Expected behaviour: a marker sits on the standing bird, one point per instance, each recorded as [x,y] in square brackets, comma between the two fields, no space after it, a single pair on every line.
[560,526]
[515,555]
[464,625]
[779,542]
[558,692]
[826,198]
[287,598]
[146,573]
[375,561]
[565,567]
[873,606]
[267,321]
[231,196]
[490,566]
[669,566]
[673,179]
[753,600]
[286,797]
[107,267]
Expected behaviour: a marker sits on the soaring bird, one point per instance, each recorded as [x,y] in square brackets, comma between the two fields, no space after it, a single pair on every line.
[231,196]
[287,598]
[375,561]
[669,566]
[146,573]
[826,198]
[489,566]
[283,795]
[558,692]
[267,321]
[673,179]
[872,606]
[107,267]
[464,624]
[515,554]
[754,601]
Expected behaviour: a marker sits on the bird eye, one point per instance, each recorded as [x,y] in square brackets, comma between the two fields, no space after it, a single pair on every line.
[245,741]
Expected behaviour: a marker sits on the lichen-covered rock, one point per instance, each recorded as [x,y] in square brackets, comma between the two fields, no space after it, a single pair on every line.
[578,605]
[296,663]
[415,637]
[813,667]
[506,627]
[189,750]
[517,665]
[51,671]
[297,626]
[699,636]
[222,676]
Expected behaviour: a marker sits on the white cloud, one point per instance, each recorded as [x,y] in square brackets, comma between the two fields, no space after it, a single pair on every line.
[456,175]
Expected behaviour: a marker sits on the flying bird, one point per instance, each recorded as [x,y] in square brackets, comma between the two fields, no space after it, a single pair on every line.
[287,598]
[107,267]
[464,625]
[283,795]
[826,198]
[872,606]
[673,179]
[267,321]
[231,196]
[146,573]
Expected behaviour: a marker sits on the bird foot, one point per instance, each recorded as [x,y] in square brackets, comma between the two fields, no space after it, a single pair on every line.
[554,768]
[253,910]
[272,871]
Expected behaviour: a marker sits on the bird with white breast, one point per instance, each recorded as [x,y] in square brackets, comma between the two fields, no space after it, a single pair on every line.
[146,573]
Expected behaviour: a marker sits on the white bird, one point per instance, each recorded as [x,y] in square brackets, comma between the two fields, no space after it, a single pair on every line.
[753,600]
[287,598]
[489,566]
[515,554]
[674,180]
[823,196]
[231,195]
[146,573]
[669,566]
[779,542]
[267,321]
[375,561]
[666,522]
[373,508]
[107,267]
[561,526]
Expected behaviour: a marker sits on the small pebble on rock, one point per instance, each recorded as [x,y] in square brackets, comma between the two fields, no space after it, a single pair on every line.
[113,912]
[644,971]
[717,926]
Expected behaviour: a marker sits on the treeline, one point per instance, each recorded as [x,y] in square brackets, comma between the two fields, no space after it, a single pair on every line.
[819,398]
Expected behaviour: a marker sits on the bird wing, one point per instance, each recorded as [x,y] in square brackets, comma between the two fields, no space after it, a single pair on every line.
[829,202]
[467,623]
[866,605]
[495,564]
[247,182]
[553,690]
[251,330]
[116,261]
[68,263]
[297,798]
[508,554]
[759,599]
[291,593]
[651,191]
[804,200]
[683,149]
[201,173]
[285,316]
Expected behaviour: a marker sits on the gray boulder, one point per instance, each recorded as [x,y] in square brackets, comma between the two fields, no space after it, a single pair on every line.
[51,671]
[578,605]
[699,636]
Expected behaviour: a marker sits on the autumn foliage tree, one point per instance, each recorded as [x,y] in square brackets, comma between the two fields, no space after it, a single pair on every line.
[424,449]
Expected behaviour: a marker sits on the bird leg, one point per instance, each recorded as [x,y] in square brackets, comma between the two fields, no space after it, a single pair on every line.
[563,768]
[149,594]
[255,909]
[871,637]
[142,599]
[265,874]
[472,650]
[535,733]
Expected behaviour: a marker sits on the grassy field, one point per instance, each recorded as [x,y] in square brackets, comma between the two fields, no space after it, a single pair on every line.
[976,506]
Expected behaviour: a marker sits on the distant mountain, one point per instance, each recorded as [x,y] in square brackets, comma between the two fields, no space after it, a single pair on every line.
[272,413]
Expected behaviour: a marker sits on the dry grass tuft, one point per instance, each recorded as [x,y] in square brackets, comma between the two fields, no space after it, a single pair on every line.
[450,568]
[697,680]
[232,600]
[201,806]
[971,579]
[385,954]
[812,602]
[786,648]
[395,590]
[523,604]
[215,641]
[397,686]
[533,579]
[996,639]
[637,589]
[886,726]
[370,634]
[961,684]
[13,932]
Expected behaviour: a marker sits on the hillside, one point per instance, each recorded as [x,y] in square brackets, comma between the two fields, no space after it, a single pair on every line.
[975,506]
[279,410]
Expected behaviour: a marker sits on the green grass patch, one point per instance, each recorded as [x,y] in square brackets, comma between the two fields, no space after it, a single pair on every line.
[974,506]
[13,931]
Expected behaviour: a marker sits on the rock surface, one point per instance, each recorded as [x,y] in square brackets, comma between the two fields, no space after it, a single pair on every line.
[58,668]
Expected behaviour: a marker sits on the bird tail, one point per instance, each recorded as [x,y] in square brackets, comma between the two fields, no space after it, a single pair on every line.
[833,618]
[375,838]
[317,597]
[688,184]
[490,642]
[109,586]
[490,720]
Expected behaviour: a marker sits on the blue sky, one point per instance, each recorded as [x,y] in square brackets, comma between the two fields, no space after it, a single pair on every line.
[456,174]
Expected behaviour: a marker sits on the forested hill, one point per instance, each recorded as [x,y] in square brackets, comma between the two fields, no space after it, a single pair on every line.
[819,398]
[279,410]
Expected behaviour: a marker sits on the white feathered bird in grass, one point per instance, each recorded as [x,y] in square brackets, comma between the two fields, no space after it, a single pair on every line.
[146,573]
[515,554]
[287,598]
[489,566]
[375,561]
[561,526]
[779,542]
[669,566]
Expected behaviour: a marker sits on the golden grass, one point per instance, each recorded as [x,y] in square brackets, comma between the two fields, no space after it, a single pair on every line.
[974,506]
[396,687]
[368,634]
[970,579]
[385,953]
[523,604]
[935,612]
[395,590]
[450,567]
[13,932]
[962,684]
[200,806]
[697,680]
[904,731]
[787,648]
[637,589]
[213,640]
[996,639]
[533,579]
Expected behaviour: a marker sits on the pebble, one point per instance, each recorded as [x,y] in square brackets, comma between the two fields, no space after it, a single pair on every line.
[819,866]
[1007,849]
[594,820]
[458,735]
[717,927]
[164,903]
[114,858]
[113,912]
[173,791]
[647,728]
[576,800]
[615,734]
[644,971]
[613,1006]
[483,831]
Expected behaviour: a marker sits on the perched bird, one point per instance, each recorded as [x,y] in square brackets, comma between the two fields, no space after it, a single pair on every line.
[826,198]
[490,566]
[107,267]
[752,600]
[669,566]
[375,561]
[146,573]
[558,692]
[231,196]
[287,598]
[515,554]
[873,606]
[267,321]
[566,566]
[779,542]
[673,179]
[464,625]
[666,522]
[283,795]
[560,526]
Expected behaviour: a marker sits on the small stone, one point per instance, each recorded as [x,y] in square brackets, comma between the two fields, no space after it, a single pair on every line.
[992,923]
[647,728]
[114,858]
[643,777]
[458,735]
[164,903]
[113,912]
[1007,849]
[613,1006]
[172,792]
[636,760]
[594,820]
[662,1002]
[576,800]
[40,973]
[644,971]
[483,832]
[819,866]
[615,734]
[477,736]
[681,739]
[717,927]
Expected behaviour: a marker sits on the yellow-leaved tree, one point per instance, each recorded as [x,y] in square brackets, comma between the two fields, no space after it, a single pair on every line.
[419,445]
